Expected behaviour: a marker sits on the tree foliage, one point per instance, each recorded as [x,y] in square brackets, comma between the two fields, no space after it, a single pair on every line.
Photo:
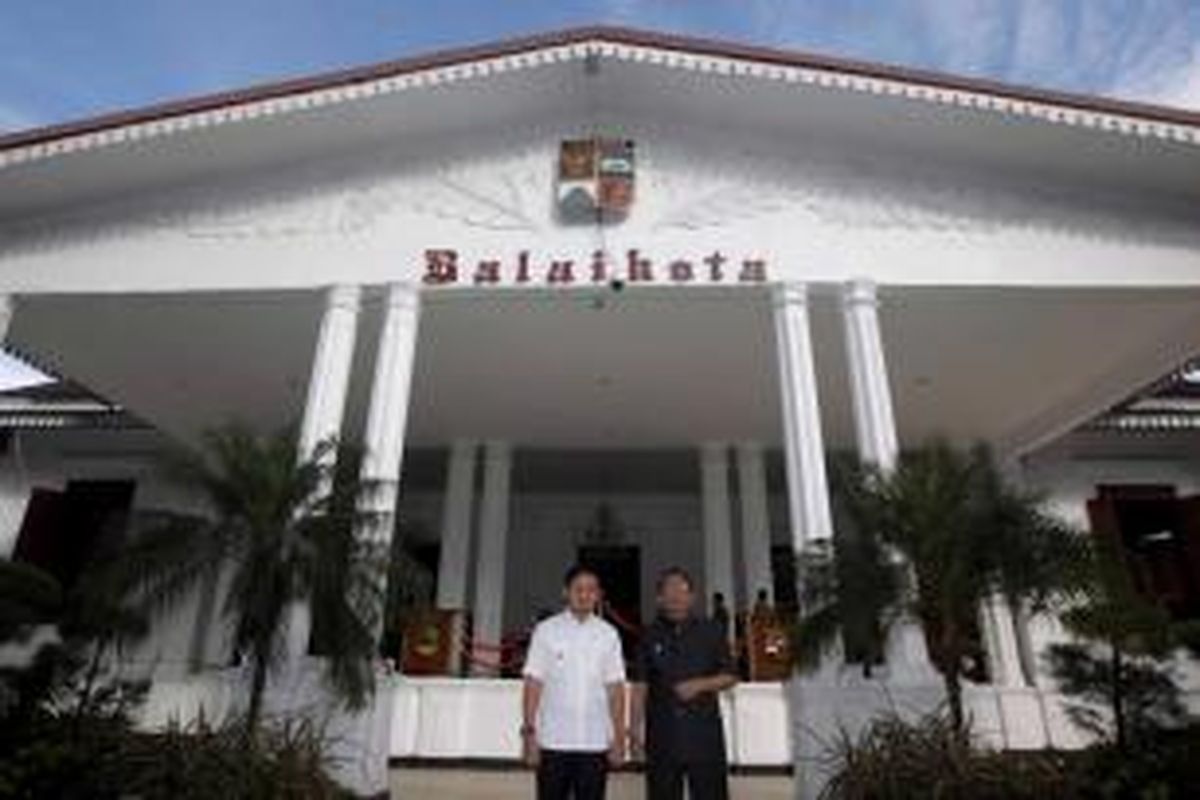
[934,539]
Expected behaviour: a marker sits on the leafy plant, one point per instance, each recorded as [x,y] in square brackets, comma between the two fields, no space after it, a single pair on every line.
[285,758]
[1123,663]
[935,538]
[288,531]
[892,759]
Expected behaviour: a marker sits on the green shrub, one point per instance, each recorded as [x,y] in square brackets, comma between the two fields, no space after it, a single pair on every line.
[102,757]
[1163,765]
[892,759]
[895,760]
[284,759]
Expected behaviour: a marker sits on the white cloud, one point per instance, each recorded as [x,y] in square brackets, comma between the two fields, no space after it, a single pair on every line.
[14,119]
[1141,51]
[1181,87]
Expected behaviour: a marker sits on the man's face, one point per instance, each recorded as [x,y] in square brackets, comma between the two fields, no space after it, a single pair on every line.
[583,593]
[675,597]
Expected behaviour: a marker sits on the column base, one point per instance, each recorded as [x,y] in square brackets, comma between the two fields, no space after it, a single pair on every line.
[907,656]
[359,742]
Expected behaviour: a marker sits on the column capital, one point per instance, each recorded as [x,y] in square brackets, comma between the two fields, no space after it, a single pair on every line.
[343,295]
[750,446]
[403,294]
[789,293]
[497,449]
[860,292]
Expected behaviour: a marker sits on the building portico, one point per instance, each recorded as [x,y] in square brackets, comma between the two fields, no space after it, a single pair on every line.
[736,376]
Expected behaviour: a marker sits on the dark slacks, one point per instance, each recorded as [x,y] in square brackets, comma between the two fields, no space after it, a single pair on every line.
[564,775]
[706,780]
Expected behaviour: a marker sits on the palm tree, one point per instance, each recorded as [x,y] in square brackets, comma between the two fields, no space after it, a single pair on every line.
[1123,660]
[850,589]
[955,536]
[286,531]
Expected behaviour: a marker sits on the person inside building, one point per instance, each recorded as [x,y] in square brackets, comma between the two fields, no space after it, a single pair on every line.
[683,665]
[574,696]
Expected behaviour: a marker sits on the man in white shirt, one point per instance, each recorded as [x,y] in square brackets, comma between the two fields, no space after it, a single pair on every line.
[574,697]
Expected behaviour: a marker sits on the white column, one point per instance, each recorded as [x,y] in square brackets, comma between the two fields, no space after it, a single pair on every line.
[328,384]
[756,522]
[387,415]
[329,380]
[871,396]
[804,443]
[8,538]
[1004,657]
[456,526]
[875,426]
[6,314]
[493,546]
[717,522]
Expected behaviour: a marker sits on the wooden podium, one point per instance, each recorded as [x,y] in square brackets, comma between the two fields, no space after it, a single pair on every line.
[433,642]
[768,647]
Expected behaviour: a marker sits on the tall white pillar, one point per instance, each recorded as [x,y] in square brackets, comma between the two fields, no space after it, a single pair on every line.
[804,443]
[387,415]
[456,526]
[1003,650]
[717,522]
[871,395]
[493,546]
[8,538]
[875,427]
[756,522]
[329,380]
[6,314]
[328,384]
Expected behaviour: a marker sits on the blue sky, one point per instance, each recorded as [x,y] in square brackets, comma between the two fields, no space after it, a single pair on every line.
[64,59]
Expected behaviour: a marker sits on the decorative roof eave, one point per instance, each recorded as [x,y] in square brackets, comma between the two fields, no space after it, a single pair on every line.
[675,52]
[1145,423]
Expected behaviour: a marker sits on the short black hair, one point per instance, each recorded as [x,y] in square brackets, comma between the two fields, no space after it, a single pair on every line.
[674,572]
[575,571]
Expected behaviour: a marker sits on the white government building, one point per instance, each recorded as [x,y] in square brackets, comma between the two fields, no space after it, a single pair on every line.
[607,288]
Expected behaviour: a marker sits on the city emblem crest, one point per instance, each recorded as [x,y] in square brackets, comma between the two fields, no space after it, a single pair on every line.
[595,179]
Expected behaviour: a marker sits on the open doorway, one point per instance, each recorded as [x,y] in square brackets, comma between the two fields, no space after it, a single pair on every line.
[63,530]
[619,567]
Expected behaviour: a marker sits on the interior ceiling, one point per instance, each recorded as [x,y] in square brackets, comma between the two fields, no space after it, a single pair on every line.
[640,370]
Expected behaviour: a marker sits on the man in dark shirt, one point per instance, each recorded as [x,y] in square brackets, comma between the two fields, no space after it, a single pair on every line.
[683,664]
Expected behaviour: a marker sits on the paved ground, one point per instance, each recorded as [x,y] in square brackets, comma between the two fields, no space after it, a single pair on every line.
[464,784]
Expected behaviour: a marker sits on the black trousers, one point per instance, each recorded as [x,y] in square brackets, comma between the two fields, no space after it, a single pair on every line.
[706,780]
[564,775]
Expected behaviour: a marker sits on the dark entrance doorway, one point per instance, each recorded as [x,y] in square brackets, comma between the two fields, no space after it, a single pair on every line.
[1157,535]
[619,568]
[63,530]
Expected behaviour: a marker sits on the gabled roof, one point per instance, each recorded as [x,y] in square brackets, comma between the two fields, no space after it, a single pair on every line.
[1171,403]
[61,404]
[838,69]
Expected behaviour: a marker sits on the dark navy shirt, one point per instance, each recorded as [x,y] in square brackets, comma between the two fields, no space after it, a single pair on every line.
[671,652]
